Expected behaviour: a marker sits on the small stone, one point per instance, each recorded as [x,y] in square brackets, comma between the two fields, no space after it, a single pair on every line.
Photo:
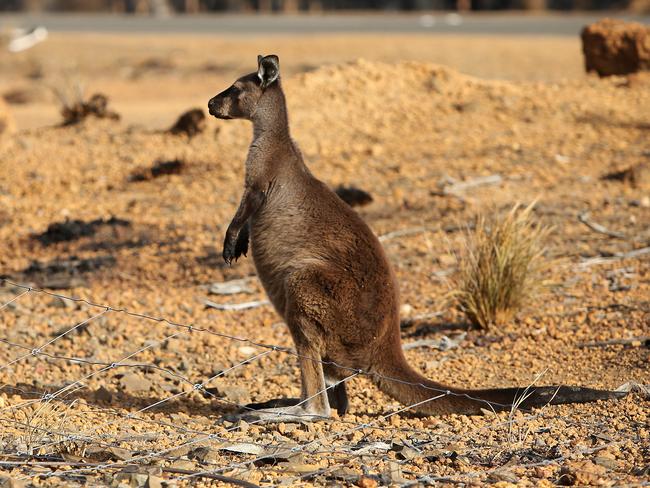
[344,474]
[395,473]
[58,302]
[204,454]
[367,482]
[153,482]
[103,395]
[561,159]
[243,426]
[133,383]
[139,479]
[234,393]
[580,473]
[8,482]
[605,462]
[120,454]
[182,464]
[506,476]
[247,350]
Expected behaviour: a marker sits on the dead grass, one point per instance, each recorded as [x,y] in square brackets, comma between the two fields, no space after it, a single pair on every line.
[501,266]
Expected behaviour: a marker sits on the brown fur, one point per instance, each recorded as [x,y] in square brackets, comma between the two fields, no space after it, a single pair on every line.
[326,272]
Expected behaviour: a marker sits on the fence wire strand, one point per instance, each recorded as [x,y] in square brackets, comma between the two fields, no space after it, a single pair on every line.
[49,446]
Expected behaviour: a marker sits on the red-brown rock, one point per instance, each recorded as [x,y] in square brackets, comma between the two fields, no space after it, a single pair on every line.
[615,47]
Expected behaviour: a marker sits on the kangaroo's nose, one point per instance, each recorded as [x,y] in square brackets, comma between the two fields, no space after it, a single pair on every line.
[211,106]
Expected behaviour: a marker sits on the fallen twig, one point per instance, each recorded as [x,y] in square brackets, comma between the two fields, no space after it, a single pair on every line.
[460,186]
[422,229]
[406,321]
[443,344]
[600,229]
[236,306]
[637,341]
[616,257]
[407,232]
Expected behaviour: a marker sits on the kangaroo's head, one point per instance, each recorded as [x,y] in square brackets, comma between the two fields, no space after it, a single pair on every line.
[242,99]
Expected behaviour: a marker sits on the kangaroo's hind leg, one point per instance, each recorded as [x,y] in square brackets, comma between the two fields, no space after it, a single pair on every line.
[314,403]
[306,305]
[336,390]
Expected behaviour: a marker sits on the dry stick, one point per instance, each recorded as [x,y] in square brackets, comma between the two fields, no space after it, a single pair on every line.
[421,230]
[616,257]
[236,306]
[600,229]
[56,464]
[643,340]
[455,189]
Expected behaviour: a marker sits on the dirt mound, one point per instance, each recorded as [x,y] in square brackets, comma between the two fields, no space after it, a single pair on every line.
[7,125]
[615,47]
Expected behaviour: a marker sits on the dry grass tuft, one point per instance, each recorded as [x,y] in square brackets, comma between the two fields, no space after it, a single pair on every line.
[501,266]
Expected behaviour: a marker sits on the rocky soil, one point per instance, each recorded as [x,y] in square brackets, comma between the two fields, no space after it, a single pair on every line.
[130,217]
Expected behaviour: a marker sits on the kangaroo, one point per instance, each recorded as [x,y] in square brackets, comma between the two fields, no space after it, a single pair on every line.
[327,275]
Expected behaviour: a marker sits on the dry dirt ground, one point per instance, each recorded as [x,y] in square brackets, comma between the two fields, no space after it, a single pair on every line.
[90,392]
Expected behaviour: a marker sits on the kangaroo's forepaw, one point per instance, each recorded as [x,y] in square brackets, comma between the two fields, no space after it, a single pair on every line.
[284,414]
[230,251]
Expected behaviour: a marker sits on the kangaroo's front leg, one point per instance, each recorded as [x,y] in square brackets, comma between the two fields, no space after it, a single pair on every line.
[236,241]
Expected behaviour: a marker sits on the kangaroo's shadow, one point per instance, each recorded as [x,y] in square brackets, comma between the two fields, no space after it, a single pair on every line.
[120,400]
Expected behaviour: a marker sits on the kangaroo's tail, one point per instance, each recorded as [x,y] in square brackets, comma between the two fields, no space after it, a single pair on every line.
[398,379]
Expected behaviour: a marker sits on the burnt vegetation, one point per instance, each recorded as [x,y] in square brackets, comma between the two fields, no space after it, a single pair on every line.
[96,106]
[159,168]
[190,123]
[353,196]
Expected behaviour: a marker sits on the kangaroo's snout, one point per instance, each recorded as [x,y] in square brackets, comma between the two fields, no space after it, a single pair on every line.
[217,106]
[211,106]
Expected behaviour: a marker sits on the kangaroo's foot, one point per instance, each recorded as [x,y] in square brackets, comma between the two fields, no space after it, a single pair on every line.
[295,413]
[336,395]
[274,403]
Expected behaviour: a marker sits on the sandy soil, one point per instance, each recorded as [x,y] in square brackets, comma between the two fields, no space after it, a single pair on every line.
[393,124]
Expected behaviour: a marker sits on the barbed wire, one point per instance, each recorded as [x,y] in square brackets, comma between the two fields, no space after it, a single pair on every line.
[52,438]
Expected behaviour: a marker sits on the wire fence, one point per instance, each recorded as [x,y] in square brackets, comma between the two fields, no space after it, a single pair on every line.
[56,431]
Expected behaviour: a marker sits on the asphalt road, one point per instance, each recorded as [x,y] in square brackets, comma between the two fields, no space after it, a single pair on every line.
[436,22]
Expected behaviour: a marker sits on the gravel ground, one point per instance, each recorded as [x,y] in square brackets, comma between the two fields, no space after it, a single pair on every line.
[126,215]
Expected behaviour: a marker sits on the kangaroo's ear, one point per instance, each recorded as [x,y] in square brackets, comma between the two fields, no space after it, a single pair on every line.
[268,69]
